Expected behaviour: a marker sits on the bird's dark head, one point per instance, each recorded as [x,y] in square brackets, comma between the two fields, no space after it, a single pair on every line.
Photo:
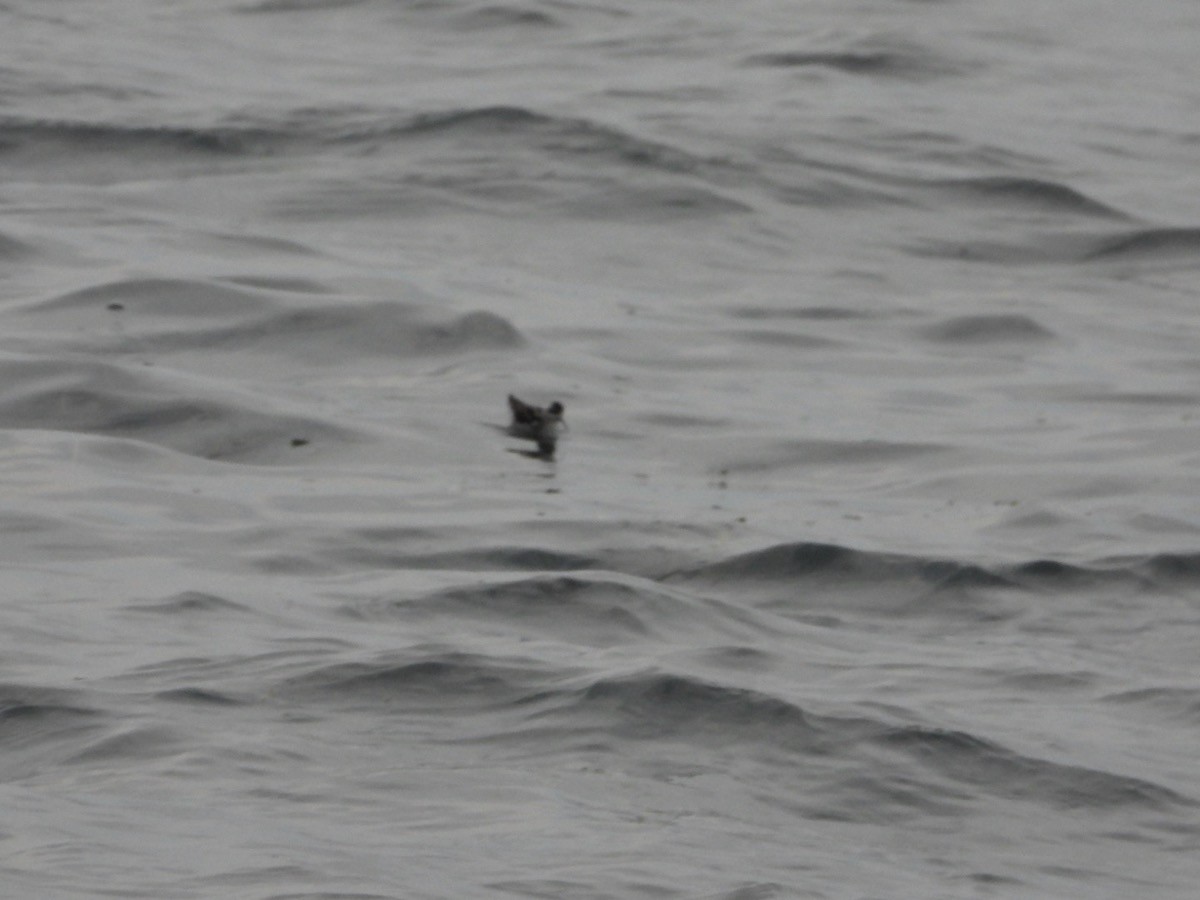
[555,409]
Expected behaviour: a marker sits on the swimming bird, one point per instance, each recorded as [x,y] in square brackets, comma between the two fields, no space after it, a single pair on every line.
[533,423]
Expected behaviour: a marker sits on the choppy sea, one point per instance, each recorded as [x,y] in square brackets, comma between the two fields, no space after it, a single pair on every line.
[868,566]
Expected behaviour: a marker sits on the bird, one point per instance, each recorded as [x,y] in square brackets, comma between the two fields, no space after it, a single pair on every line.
[533,423]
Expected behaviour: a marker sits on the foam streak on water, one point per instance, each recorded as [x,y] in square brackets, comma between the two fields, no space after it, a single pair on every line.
[869,565]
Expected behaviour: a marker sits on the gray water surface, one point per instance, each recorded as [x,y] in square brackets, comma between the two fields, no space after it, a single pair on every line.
[869,566]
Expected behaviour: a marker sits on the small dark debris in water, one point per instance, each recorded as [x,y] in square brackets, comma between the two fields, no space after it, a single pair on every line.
[299,442]
[115,307]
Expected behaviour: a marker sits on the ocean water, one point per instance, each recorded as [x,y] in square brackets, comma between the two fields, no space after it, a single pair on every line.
[869,566]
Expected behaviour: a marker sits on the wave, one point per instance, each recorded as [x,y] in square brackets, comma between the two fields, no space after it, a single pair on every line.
[42,727]
[12,249]
[294,6]
[1174,569]
[780,455]
[897,585]
[587,608]
[1029,193]
[968,760]
[881,59]
[480,156]
[655,705]
[563,136]
[145,405]
[1133,245]
[811,560]
[490,158]
[578,610]
[202,697]
[500,15]
[1176,704]
[127,744]
[624,202]
[490,559]
[988,329]
[796,561]
[578,547]
[428,678]
[775,337]
[830,585]
[189,602]
[326,334]
[482,16]
[858,765]
[172,297]
[814,313]
[1147,243]
[1165,572]
[799,581]
[163,316]
[36,136]
[27,710]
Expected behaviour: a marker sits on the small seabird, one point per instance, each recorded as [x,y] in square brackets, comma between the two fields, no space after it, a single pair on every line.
[533,423]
